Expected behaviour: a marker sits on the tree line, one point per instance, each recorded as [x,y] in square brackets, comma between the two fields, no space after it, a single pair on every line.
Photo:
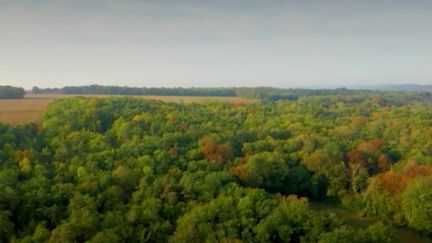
[266,94]
[9,92]
[124,90]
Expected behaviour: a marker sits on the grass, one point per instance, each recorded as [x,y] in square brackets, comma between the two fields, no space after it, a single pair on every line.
[357,222]
[31,108]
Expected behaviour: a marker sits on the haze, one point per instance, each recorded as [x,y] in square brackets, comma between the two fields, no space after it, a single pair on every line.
[215,43]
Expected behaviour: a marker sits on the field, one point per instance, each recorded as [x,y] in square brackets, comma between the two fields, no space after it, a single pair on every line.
[31,108]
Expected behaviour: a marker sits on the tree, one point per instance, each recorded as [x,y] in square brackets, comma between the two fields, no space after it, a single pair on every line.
[214,151]
[125,177]
[266,170]
[41,233]
[285,223]
[417,206]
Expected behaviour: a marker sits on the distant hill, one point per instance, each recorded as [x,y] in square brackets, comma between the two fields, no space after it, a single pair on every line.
[397,87]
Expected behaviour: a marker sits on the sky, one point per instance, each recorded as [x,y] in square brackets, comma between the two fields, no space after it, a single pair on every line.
[172,43]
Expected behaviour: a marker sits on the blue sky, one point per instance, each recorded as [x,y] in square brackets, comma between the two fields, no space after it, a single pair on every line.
[169,43]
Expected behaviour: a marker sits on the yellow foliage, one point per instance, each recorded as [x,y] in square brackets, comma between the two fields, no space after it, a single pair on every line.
[25,166]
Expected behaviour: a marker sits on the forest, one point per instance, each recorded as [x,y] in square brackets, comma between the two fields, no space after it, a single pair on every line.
[129,170]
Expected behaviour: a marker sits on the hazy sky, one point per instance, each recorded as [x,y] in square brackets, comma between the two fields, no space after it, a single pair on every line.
[51,43]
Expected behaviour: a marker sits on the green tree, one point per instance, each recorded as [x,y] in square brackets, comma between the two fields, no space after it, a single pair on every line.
[417,206]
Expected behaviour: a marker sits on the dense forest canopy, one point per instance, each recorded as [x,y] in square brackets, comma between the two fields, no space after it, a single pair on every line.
[129,170]
[9,92]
